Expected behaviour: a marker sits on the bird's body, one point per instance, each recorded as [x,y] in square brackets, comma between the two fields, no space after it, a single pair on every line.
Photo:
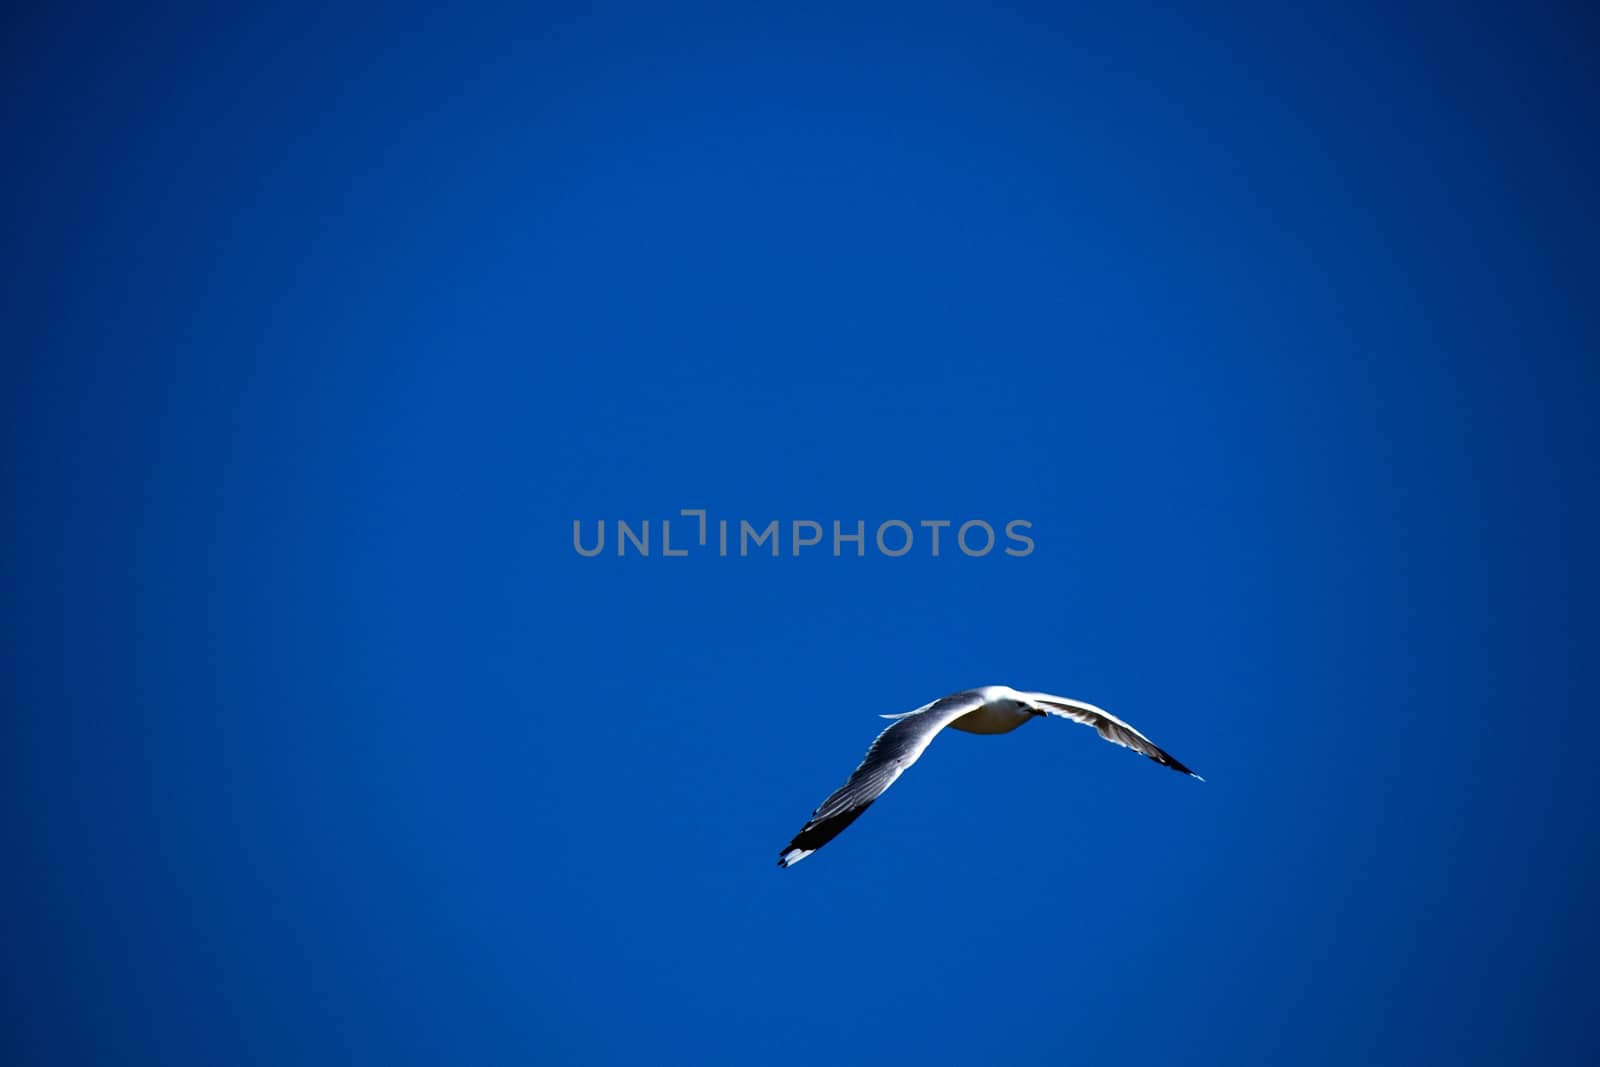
[992,709]
[998,715]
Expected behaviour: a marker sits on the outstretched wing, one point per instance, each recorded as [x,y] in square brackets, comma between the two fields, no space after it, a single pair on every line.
[895,749]
[1110,727]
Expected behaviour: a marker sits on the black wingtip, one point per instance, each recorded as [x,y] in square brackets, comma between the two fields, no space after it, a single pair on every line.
[1167,761]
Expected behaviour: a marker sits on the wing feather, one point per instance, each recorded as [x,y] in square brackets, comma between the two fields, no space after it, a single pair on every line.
[1107,725]
[895,749]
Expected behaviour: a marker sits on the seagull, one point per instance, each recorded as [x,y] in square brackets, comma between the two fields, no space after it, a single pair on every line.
[991,709]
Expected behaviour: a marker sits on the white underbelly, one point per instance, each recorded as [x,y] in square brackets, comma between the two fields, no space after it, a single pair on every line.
[991,720]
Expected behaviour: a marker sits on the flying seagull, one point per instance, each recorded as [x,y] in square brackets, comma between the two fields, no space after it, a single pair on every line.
[993,709]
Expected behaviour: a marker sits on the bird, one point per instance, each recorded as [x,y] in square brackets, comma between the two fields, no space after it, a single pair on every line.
[989,709]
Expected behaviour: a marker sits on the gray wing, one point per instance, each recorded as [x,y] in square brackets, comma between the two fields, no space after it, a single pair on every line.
[1109,726]
[895,749]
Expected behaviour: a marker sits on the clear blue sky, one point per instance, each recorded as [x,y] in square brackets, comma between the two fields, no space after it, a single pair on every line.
[322,745]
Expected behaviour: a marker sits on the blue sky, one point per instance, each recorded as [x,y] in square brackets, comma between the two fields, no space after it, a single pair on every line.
[322,745]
